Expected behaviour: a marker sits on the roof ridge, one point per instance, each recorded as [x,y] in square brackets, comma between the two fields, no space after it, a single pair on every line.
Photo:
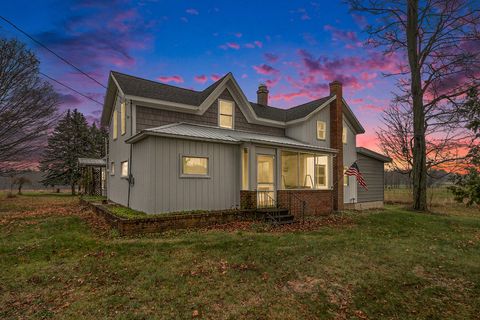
[301,105]
[166,84]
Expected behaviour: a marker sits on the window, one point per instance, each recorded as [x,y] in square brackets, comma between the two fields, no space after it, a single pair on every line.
[245,169]
[345,177]
[112,168]
[124,169]
[321,128]
[304,170]
[195,166]
[225,114]
[344,135]
[123,118]
[115,125]
[320,175]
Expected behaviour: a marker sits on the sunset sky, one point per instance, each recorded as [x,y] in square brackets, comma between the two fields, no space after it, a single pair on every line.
[295,47]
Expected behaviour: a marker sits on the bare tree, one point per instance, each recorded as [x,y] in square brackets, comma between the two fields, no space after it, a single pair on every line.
[445,145]
[20,182]
[28,105]
[437,42]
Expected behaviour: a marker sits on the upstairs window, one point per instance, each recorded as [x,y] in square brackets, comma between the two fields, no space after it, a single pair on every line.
[344,135]
[115,125]
[123,118]
[321,130]
[112,168]
[225,114]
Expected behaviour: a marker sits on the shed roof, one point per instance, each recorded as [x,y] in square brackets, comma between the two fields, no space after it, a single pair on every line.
[90,162]
[208,133]
[372,154]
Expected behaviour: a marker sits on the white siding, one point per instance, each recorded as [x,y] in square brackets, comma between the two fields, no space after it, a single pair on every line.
[349,157]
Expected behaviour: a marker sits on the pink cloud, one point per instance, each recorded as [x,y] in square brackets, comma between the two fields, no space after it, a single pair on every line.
[192,11]
[244,76]
[288,96]
[201,78]
[272,82]
[258,43]
[371,107]
[270,57]
[238,34]
[175,78]
[231,45]
[368,76]
[265,69]
[341,35]
[249,45]
[215,77]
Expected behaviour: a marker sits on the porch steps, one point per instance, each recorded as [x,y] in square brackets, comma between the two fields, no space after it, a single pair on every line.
[277,216]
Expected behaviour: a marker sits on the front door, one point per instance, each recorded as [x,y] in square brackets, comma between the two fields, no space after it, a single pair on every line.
[265,181]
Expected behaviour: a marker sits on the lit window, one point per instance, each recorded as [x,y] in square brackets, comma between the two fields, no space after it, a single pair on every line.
[124,169]
[304,170]
[225,114]
[115,124]
[245,169]
[345,177]
[344,135]
[112,168]
[123,116]
[195,166]
[321,129]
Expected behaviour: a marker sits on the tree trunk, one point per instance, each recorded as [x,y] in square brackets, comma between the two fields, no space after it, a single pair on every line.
[19,189]
[73,189]
[419,146]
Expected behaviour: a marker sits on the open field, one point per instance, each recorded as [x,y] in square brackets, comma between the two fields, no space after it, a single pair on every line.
[59,262]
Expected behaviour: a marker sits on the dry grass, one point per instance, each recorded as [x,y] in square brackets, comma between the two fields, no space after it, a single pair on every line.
[392,264]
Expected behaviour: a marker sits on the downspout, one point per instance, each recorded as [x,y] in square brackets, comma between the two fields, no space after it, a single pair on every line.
[130,176]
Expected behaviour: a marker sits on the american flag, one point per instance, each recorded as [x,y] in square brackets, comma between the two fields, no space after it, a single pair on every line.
[354,170]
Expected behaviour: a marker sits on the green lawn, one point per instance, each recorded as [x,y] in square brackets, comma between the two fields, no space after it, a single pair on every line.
[391,264]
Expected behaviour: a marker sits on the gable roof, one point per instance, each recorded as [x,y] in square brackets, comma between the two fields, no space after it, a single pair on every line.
[142,88]
[208,133]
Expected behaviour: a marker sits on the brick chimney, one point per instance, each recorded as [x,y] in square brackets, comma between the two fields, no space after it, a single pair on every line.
[262,95]
[336,129]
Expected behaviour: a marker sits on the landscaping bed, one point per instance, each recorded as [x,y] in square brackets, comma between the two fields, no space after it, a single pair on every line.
[131,222]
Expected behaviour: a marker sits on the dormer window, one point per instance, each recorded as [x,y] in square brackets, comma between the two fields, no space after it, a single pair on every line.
[321,130]
[225,114]
[344,135]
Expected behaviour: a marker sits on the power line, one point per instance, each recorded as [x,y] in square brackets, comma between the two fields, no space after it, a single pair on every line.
[51,51]
[68,87]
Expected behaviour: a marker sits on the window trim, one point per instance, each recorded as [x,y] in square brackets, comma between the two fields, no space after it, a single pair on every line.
[325,175]
[324,130]
[112,168]
[194,176]
[123,118]
[220,114]
[121,171]
[344,135]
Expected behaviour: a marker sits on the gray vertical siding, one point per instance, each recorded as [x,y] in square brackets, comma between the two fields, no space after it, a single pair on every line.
[159,188]
[118,151]
[373,173]
[307,131]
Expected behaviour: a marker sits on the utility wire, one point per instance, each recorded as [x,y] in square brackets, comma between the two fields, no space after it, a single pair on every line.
[51,51]
[68,87]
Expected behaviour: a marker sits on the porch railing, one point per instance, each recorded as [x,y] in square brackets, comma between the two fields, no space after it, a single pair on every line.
[266,199]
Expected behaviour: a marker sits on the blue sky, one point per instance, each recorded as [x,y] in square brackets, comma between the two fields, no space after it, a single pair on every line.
[296,47]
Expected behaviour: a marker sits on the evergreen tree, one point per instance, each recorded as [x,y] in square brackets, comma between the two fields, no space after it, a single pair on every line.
[70,140]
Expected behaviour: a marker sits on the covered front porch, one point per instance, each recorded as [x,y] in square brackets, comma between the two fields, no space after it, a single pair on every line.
[299,180]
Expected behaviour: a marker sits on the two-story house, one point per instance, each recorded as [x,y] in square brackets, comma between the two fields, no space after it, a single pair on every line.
[174,149]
